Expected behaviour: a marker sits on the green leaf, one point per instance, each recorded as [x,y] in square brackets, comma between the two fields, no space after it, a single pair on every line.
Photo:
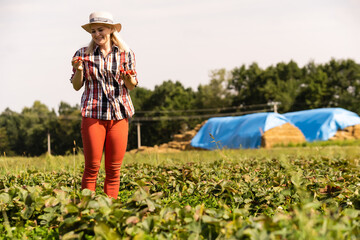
[71,209]
[51,202]
[297,179]
[148,224]
[70,236]
[27,212]
[194,227]
[86,192]
[208,219]
[150,204]
[71,220]
[352,213]
[104,231]
[132,220]
[93,204]
[4,198]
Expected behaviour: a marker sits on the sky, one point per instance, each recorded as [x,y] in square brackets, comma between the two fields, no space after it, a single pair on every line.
[172,40]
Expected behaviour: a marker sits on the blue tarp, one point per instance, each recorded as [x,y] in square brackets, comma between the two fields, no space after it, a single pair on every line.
[236,132]
[321,124]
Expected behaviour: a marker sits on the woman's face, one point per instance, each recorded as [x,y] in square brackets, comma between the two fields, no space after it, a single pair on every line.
[100,34]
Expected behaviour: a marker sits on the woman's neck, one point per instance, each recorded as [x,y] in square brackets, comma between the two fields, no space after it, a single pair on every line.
[105,49]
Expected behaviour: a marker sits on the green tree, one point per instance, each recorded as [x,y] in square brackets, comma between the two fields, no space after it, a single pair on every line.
[170,96]
[246,85]
[344,84]
[67,130]
[282,84]
[215,94]
[4,141]
[139,97]
[36,123]
[10,121]
[168,99]
[315,90]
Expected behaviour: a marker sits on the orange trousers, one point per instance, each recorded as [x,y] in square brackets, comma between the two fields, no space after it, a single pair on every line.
[97,134]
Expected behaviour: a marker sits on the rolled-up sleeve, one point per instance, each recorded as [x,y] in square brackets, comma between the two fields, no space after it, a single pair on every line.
[77,54]
[132,65]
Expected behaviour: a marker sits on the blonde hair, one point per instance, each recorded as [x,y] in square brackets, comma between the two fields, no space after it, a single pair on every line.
[115,40]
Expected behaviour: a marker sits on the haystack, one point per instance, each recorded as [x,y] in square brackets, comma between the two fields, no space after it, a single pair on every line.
[181,142]
[282,135]
[243,132]
[323,123]
[351,132]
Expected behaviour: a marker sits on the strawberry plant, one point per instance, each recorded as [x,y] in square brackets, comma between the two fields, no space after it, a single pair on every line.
[265,197]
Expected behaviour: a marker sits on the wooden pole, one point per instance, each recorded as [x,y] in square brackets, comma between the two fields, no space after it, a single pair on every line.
[48,142]
[139,134]
[275,107]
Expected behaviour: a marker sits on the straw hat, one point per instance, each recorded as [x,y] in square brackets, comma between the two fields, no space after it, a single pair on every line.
[103,18]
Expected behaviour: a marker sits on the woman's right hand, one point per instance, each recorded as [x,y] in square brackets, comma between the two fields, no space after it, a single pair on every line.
[76,62]
[77,79]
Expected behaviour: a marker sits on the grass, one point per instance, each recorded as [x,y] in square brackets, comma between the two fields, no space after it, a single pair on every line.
[342,143]
[44,163]
[47,163]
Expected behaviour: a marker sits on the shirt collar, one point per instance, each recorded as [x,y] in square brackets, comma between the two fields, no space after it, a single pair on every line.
[113,48]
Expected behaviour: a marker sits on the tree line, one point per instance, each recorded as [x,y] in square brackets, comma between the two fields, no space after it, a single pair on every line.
[171,108]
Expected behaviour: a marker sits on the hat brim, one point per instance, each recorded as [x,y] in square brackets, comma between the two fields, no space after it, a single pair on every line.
[87,27]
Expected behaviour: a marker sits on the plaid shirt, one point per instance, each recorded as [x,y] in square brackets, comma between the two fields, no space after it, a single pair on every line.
[105,95]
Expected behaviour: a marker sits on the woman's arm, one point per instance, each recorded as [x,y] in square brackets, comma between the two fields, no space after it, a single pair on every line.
[78,78]
[130,76]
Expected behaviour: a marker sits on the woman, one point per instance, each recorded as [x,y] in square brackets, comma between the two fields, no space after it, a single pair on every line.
[106,69]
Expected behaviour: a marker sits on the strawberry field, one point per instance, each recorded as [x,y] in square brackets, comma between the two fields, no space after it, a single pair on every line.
[300,193]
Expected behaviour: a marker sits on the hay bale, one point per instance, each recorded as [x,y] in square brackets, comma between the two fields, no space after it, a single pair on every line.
[180,142]
[198,126]
[189,135]
[154,150]
[351,132]
[174,144]
[284,134]
[164,145]
[178,137]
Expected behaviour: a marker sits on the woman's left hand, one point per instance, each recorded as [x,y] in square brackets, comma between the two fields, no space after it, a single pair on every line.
[129,79]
